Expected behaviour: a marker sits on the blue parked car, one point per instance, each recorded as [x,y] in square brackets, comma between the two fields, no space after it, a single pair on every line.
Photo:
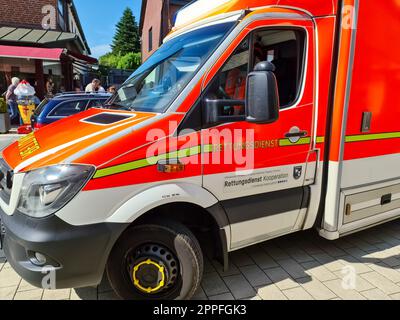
[65,105]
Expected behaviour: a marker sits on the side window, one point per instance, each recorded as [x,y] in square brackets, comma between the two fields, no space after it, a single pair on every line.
[285,50]
[230,83]
[69,108]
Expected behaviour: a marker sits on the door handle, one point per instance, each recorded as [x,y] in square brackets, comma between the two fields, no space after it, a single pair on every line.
[300,134]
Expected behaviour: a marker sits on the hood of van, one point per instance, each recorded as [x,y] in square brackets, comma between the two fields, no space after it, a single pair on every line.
[74,139]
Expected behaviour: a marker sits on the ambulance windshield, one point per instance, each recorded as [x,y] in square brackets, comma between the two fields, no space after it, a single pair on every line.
[155,85]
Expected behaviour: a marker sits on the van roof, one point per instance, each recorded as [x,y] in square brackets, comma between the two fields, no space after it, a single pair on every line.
[202,9]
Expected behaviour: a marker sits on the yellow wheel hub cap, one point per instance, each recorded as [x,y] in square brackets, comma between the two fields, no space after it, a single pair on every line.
[137,283]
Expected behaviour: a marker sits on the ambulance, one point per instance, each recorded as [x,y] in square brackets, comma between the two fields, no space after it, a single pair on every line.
[255,119]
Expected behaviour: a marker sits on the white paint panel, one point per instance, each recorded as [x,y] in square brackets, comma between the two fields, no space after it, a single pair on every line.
[227,186]
[161,195]
[370,170]
[262,229]
[125,204]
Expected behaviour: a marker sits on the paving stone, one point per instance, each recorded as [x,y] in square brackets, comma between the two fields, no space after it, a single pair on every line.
[57,294]
[391,274]
[329,262]
[200,295]
[25,286]
[360,283]
[255,276]
[9,278]
[232,270]
[300,255]
[262,259]
[213,284]
[297,294]
[275,252]
[224,296]
[330,248]
[241,259]
[281,278]
[395,296]
[295,270]
[317,290]
[271,292]
[375,294]
[350,261]
[381,282]
[7,293]
[29,295]
[318,271]
[239,287]
[255,298]
[346,294]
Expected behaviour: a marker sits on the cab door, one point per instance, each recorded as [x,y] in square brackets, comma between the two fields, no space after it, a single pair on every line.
[261,172]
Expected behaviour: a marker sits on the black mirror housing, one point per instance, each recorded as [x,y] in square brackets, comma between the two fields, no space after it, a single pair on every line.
[212,112]
[262,97]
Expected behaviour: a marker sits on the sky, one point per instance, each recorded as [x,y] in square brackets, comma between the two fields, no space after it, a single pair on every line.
[99,18]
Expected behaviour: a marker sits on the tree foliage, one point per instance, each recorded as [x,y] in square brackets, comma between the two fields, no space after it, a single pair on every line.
[125,47]
[127,38]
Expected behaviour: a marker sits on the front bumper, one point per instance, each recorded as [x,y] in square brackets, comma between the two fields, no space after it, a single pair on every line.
[76,254]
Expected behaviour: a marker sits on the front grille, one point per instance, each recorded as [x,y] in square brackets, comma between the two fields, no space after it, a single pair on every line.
[5,192]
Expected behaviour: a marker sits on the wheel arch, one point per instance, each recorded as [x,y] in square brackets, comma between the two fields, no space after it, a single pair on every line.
[186,203]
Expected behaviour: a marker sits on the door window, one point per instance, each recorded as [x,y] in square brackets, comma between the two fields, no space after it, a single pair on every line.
[284,48]
[69,108]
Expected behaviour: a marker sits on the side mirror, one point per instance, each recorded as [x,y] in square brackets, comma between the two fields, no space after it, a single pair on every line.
[262,98]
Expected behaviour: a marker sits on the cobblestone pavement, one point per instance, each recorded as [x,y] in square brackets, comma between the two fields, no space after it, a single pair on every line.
[299,266]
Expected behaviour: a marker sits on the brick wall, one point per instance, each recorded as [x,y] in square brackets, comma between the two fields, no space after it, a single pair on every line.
[22,13]
[151,21]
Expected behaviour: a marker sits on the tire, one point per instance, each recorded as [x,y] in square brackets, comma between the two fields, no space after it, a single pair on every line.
[166,240]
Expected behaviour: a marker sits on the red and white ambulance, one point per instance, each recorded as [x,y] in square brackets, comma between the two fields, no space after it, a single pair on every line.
[255,119]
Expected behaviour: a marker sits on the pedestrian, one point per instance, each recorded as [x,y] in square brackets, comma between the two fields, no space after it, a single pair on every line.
[49,88]
[94,87]
[112,89]
[12,101]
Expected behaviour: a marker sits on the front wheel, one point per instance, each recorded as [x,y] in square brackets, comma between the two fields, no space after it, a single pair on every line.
[160,261]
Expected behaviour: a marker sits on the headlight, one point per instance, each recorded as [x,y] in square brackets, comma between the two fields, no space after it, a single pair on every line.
[47,190]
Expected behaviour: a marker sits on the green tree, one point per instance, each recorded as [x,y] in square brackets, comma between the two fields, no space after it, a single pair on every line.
[130,61]
[126,39]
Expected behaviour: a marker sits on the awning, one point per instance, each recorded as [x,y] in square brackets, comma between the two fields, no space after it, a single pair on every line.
[31,53]
[44,54]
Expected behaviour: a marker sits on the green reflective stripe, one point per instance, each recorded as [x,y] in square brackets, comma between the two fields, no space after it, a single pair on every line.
[320,139]
[287,142]
[151,161]
[377,136]
[189,152]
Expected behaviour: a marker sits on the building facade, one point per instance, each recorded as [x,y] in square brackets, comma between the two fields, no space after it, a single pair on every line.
[156,21]
[42,41]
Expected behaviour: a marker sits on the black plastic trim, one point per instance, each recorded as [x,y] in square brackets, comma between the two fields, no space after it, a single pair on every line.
[78,253]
